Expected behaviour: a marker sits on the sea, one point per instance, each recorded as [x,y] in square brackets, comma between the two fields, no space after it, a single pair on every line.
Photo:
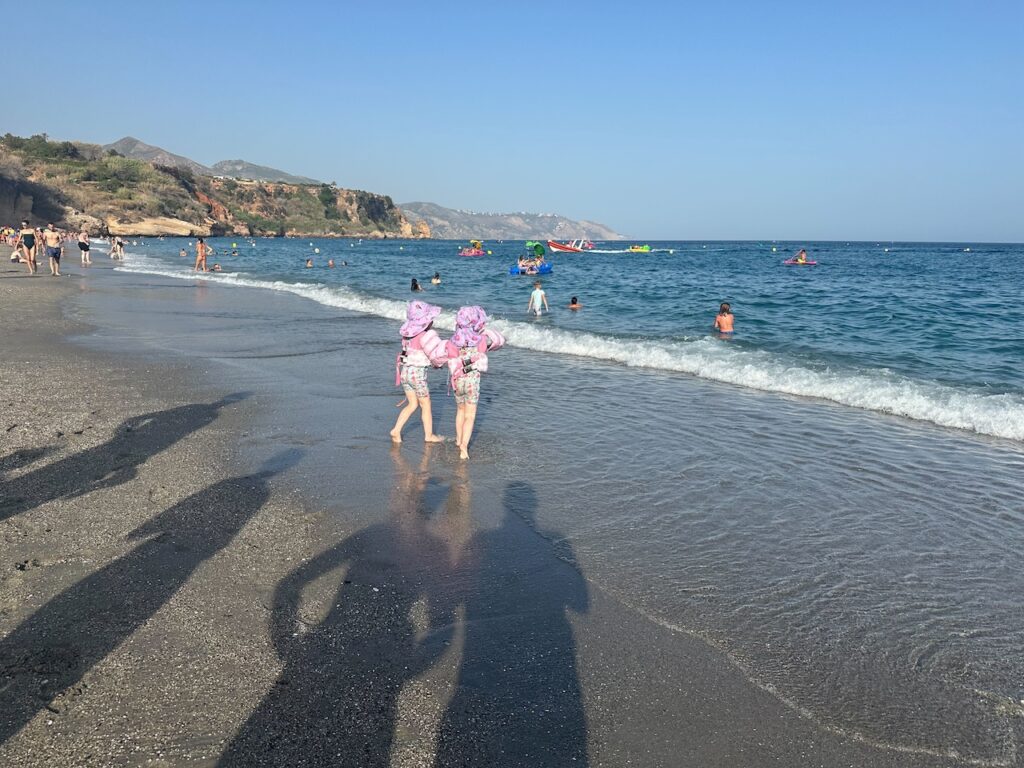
[832,497]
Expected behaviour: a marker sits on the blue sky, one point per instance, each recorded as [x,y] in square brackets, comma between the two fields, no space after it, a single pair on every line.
[788,120]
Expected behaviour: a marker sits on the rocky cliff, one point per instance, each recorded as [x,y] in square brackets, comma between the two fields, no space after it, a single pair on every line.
[84,184]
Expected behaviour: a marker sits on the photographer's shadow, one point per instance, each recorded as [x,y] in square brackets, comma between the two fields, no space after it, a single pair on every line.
[517,700]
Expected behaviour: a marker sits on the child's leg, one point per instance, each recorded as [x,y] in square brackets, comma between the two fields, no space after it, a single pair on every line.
[403,415]
[467,429]
[460,417]
[428,422]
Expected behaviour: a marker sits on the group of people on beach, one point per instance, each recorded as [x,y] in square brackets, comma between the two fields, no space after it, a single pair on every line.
[466,356]
[28,242]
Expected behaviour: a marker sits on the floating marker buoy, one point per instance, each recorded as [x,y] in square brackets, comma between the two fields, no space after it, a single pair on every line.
[234,245]
[886,250]
[316,250]
[310,245]
[774,249]
[670,250]
[489,253]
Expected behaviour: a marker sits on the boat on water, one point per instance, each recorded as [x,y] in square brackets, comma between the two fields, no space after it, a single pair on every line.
[573,246]
[476,248]
[639,249]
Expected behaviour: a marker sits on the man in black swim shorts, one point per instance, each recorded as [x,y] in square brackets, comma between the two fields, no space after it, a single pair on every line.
[54,242]
[83,246]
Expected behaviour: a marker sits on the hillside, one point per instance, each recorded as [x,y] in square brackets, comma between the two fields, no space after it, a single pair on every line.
[134,149]
[447,223]
[237,169]
[242,169]
[82,184]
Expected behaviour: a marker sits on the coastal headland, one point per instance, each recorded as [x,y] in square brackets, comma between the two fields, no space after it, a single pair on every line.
[84,185]
[192,573]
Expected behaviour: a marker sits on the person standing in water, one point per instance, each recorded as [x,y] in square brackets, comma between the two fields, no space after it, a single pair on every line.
[415,287]
[467,360]
[538,300]
[421,349]
[83,246]
[202,251]
[723,323]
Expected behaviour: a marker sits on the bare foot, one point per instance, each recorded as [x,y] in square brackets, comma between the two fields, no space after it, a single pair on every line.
[433,439]
[396,437]
[463,453]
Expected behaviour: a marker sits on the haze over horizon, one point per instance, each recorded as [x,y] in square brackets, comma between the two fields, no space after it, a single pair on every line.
[744,121]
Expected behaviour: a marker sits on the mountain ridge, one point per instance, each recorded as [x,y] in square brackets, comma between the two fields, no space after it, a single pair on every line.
[454,224]
[136,149]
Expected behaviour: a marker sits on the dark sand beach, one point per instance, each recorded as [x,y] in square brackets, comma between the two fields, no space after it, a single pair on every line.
[190,575]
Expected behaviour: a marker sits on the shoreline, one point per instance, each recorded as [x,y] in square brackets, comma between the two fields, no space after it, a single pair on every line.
[632,692]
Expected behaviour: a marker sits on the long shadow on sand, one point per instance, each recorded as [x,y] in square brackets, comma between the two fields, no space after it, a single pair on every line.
[111,463]
[518,700]
[52,649]
[335,702]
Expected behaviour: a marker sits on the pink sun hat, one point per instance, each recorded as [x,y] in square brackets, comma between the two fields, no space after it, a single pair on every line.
[469,326]
[418,315]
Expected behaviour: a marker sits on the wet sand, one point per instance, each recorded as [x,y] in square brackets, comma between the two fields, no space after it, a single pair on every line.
[174,591]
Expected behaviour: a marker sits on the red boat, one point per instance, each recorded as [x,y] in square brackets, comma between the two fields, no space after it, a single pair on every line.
[573,246]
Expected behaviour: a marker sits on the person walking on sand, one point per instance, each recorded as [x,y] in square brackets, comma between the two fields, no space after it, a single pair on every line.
[467,360]
[54,243]
[27,242]
[83,246]
[538,300]
[421,349]
[202,251]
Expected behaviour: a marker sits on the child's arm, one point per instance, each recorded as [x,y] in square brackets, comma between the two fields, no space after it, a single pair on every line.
[545,297]
[434,348]
[494,340]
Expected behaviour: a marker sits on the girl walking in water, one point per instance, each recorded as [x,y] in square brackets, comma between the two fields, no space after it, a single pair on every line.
[467,360]
[421,349]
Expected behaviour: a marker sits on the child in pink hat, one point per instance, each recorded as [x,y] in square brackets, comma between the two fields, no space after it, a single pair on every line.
[421,349]
[467,359]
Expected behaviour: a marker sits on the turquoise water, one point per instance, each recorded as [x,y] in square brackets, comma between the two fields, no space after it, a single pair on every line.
[933,332]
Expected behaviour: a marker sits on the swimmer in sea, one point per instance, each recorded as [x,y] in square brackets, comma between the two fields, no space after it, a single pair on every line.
[216,268]
[436,279]
[574,304]
[330,263]
[415,287]
[723,323]
[309,263]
